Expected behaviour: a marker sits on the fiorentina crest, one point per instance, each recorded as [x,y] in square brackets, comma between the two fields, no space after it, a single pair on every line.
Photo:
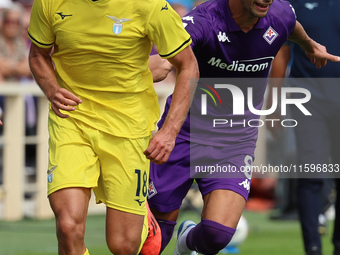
[270,35]
[152,190]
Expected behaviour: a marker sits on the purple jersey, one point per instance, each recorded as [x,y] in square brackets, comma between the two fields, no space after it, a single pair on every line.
[223,50]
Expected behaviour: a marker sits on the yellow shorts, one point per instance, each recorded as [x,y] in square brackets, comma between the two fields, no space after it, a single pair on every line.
[115,167]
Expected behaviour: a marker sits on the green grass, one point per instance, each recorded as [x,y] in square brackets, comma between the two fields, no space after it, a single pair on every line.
[266,237]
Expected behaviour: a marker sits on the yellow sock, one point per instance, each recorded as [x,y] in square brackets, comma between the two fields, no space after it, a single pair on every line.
[87,252]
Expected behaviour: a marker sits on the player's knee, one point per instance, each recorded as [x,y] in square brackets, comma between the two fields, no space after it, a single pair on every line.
[123,245]
[215,237]
[123,249]
[69,229]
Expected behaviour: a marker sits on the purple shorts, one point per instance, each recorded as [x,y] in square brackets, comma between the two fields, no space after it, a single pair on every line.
[210,166]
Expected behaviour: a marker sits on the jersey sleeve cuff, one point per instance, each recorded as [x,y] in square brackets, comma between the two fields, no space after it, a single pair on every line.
[39,44]
[179,49]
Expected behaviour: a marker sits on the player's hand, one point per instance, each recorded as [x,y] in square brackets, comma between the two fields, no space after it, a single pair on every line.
[160,147]
[318,54]
[65,100]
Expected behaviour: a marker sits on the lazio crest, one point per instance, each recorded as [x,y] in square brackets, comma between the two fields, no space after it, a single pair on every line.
[117,25]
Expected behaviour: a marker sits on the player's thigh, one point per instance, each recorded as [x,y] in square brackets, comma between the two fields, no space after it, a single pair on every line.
[70,205]
[170,182]
[225,197]
[124,178]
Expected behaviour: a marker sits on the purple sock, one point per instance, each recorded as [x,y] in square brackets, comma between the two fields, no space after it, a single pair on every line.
[167,229]
[209,237]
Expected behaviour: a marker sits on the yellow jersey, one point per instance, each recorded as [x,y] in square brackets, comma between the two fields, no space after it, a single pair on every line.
[101,51]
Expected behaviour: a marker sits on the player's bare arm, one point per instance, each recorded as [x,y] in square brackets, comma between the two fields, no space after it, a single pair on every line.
[277,74]
[316,52]
[159,67]
[163,142]
[42,69]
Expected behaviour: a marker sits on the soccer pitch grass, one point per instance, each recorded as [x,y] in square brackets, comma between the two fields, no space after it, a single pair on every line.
[266,237]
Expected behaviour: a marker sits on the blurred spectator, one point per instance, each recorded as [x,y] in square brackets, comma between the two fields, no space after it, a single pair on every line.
[281,148]
[27,6]
[13,50]
[3,5]
[317,136]
[318,139]
[14,61]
